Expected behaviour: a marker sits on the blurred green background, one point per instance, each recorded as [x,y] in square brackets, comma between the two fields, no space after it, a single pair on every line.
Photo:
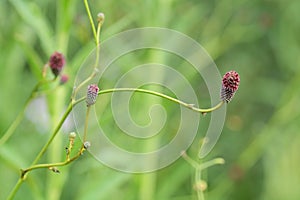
[260,141]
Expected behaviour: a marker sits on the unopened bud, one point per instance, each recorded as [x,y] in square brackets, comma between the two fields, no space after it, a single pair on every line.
[92,93]
[72,135]
[87,144]
[101,17]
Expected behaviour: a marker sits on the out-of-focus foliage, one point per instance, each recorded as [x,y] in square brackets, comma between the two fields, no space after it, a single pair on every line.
[260,141]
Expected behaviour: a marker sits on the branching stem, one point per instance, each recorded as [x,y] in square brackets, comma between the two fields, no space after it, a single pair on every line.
[187,105]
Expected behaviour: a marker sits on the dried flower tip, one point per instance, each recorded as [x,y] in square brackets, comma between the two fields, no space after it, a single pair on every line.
[56,63]
[100,17]
[92,94]
[87,145]
[230,84]
[204,113]
[72,135]
[54,169]
[63,79]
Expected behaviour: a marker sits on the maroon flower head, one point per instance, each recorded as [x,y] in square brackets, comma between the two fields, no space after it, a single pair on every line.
[56,63]
[92,94]
[230,84]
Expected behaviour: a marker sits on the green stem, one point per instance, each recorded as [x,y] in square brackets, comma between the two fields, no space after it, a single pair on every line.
[198,169]
[67,161]
[216,161]
[15,189]
[200,194]
[49,165]
[86,123]
[20,116]
[97,47]
[41,153]
[86,4]
[187,105]
[190,160]
[98,33]
[93,74]
[54,133]
[14,125]
[205,165]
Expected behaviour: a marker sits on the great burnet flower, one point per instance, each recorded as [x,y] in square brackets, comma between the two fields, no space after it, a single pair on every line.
[92,93]
[56,63]
[230,84]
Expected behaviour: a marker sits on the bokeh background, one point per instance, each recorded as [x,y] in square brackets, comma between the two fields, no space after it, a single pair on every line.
[260,141]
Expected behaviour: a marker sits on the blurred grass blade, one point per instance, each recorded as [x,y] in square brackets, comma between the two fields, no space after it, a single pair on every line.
[179,176]
[65,14]
[35,63]
[96,190]
[11,158]
[33,16]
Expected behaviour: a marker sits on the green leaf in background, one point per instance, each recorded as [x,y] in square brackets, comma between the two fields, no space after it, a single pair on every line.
[33,16]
